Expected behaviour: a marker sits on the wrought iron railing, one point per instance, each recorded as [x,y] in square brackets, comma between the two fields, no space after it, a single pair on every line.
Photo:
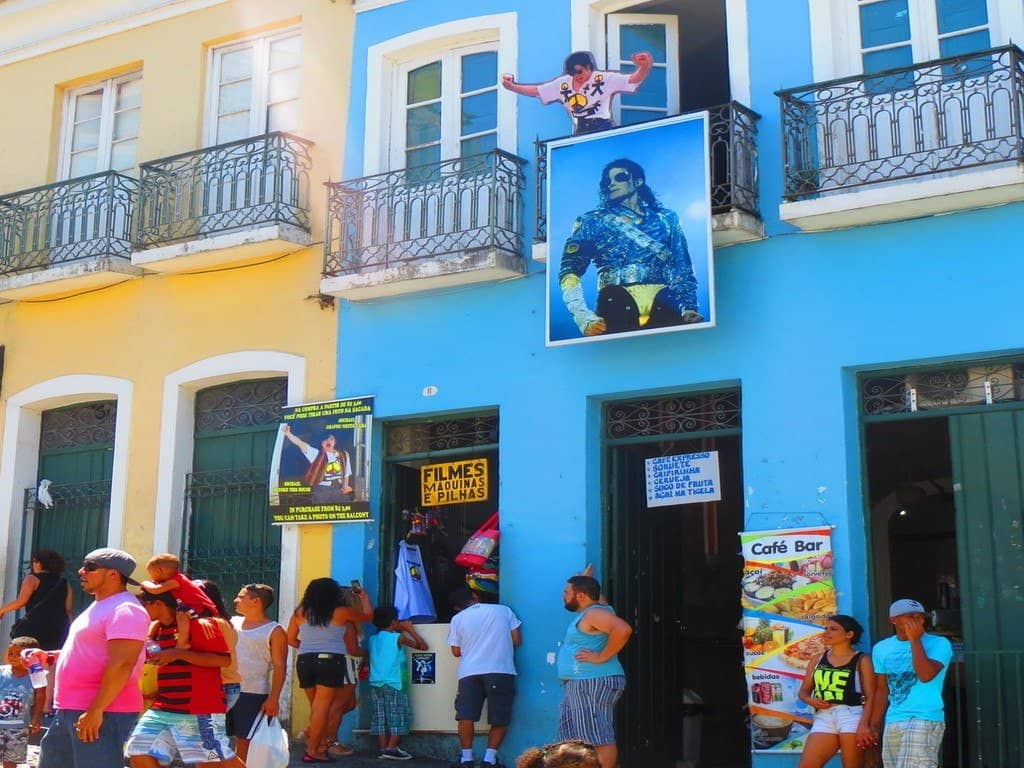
[985,383]
[425,212]
[939,116]
[985,711]
[260,180]
[234,542]
[67,221]
[733,155]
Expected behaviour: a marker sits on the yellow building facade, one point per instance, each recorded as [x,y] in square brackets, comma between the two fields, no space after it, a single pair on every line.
[161,227]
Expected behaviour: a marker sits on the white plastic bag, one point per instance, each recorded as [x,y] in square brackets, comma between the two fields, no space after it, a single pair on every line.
[268,744]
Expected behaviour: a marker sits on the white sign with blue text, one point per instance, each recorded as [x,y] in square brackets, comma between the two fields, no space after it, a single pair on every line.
[687,478]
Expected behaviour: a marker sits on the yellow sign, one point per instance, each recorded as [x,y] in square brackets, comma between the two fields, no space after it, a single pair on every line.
[455,482]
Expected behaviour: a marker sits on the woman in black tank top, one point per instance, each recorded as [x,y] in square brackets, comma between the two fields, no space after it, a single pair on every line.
[46,597]
[840,686]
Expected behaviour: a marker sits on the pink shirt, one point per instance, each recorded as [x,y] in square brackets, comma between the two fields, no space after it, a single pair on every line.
[84,656]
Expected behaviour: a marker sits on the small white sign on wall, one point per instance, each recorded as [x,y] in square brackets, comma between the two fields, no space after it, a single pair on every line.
[687,478]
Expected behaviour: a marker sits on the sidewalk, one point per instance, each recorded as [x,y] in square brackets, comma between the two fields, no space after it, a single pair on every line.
[367,760]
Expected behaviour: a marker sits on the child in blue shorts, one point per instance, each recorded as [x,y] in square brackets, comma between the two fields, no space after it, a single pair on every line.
[392,714]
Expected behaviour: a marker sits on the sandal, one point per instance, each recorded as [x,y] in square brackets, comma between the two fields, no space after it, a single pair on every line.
[308,758]
[337,749]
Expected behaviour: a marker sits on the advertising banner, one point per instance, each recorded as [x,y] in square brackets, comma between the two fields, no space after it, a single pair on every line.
[454,482]
[787,592]
[685,478]
[321,465]
[629,233]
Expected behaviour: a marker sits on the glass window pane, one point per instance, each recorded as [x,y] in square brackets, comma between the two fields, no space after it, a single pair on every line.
[86,136]
[423,156]
[479,144]
[479,70]
[236,65]
[83,164]
[877,61]
[631,116]
[88,105]
[423,125]
[480,112]
[959,45]
[634,38]
[285,53]
[654,92]
[424,83]
[884,23]
[283,117]
[960,14]
[283,86]
[129,94]
[231,127]
[122,155]
[126,124]
[234,97]
[428,159]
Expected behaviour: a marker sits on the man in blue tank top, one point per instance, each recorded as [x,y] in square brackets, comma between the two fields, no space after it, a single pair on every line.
[588,665]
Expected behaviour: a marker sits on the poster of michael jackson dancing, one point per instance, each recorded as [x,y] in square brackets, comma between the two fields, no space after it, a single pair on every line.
[320,465]
[629,232]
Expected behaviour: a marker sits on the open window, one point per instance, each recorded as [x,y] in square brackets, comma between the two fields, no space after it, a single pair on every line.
[657,34]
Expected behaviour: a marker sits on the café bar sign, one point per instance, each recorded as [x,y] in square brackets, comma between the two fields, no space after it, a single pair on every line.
[454,482]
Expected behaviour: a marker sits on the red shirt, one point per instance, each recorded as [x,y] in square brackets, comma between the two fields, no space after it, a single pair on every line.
[191,595]
[186,688]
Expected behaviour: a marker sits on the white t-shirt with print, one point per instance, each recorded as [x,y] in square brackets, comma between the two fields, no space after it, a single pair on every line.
[593,100]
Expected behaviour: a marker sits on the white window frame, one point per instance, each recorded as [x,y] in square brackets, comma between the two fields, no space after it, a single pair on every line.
[615,22]
[451,95]
[258,105]
[835,33]
[384,63]
[104,148]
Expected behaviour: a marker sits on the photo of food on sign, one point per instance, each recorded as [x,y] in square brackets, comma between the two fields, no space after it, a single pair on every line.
[802,591]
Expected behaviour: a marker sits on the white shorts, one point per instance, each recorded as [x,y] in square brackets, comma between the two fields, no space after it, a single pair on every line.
[841,718]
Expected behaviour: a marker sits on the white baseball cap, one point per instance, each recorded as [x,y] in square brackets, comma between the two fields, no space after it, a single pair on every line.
[905,606]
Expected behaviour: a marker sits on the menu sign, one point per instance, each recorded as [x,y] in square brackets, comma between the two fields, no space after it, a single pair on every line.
[787,592]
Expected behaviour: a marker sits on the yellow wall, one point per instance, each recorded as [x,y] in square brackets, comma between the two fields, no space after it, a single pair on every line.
[147,327]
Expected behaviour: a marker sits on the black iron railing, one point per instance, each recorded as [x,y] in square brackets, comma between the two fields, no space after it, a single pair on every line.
[733,154]
[67,221]
[259,180]
[425,212]
[939,116]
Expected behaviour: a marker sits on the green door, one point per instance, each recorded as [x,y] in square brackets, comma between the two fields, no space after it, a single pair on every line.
[76,454]
[988,470]
[229,538]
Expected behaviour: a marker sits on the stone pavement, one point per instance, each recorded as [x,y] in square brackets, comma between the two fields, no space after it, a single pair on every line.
[366,759]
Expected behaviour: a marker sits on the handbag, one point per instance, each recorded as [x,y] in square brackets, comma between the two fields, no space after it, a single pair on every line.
[268,744]
[23,626]
[480,545]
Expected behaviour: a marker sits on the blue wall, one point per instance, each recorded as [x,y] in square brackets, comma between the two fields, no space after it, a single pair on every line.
[798,316]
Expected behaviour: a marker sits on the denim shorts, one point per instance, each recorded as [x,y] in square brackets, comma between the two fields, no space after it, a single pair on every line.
[327,669]
[61,747]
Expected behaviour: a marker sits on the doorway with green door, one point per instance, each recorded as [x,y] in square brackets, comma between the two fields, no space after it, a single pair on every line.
[228,537]
[944,472]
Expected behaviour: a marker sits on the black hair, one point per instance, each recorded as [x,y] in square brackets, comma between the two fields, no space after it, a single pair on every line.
[636,171]
[319,600]
[163,597]
[586,585]
[579,59]
[213,592]
[462,597]
[384,616]
[849,624]
[50,559]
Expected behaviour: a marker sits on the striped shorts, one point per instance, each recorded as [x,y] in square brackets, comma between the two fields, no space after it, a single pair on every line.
[912,743]
[392,714]
[588,709]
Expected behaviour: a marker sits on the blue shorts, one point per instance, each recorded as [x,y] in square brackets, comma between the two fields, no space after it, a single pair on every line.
[61,747]
[192,738]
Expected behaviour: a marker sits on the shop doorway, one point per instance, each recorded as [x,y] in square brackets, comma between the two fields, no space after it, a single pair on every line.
[944,480]
[674,574]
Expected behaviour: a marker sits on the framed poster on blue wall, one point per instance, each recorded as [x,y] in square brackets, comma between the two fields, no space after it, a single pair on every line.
[629,232]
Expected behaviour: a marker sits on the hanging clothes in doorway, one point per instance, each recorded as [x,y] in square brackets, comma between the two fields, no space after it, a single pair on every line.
[412,590]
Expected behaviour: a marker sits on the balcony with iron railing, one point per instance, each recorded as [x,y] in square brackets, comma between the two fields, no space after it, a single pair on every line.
[443,224]
[66,236]
[934,137]
[226,204]
[732,149]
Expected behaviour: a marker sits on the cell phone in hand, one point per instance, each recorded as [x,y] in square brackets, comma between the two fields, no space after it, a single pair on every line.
[356,585]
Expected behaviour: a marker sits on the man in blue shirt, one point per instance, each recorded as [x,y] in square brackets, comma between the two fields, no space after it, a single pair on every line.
[910,669]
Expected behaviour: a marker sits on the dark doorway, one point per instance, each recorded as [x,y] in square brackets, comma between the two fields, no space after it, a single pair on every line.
[674,575]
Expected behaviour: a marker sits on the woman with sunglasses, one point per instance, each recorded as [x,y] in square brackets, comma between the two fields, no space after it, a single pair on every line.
[46,597]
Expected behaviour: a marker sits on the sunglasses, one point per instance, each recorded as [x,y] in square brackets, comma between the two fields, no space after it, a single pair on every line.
[621,177]
[90,567]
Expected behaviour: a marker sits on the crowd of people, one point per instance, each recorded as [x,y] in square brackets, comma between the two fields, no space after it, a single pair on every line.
[170,674]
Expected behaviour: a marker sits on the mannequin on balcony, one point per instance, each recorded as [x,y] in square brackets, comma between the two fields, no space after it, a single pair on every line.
[585,91]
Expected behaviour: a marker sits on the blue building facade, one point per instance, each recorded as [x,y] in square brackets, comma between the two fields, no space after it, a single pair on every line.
[865,371]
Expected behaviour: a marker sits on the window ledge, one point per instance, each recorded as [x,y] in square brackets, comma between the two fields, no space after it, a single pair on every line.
[472,266]
[68,278]
[224,249]
[907,200]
